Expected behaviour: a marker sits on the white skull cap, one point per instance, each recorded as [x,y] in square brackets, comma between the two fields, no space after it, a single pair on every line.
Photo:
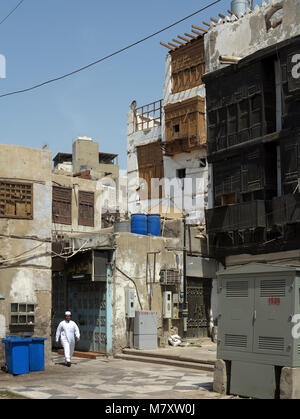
[67,313]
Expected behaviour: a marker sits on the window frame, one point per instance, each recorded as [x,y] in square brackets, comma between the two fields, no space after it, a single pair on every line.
[85,202]
[58,219]
[17,217]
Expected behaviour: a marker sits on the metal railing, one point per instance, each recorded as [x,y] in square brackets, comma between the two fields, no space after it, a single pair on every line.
[148,116]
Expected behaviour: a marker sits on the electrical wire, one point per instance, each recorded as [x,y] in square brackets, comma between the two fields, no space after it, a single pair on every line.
[21,255]
[11,12]
[130,279]
[110,55]
[73,254]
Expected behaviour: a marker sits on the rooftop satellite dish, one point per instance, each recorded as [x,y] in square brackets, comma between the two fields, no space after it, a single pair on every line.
[45,146]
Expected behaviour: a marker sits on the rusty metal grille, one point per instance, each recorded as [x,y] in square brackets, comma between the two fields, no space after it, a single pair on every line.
[16,200]
[62,205]
[86,209]
[198,296]
[148,116]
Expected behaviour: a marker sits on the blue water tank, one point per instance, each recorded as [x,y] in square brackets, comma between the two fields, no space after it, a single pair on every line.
[154,224]
[239,6]
[139,224]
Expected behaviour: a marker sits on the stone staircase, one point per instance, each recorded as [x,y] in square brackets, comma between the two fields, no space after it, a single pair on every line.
[168,359]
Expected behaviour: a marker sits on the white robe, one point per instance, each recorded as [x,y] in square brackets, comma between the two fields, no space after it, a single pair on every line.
[66,332]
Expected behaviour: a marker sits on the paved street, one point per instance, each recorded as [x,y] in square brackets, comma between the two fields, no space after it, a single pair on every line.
[110,379]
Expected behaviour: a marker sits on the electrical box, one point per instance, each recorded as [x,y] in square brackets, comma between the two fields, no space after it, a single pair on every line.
[256,324]
[167,305]
[175,309]
[145,330]
[130,304]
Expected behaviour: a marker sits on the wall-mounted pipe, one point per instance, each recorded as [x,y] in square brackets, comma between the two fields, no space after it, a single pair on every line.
[226,59]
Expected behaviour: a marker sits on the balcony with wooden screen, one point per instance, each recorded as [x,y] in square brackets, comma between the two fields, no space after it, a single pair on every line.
[185,126]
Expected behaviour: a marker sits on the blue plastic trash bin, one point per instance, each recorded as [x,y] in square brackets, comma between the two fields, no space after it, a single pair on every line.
[17,354]
[36,353]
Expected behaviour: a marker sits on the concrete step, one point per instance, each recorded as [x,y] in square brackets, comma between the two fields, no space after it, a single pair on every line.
[79,354]
[169,356]
[165,361]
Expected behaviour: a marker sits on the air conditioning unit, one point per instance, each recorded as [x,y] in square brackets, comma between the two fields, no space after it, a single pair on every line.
[170,277]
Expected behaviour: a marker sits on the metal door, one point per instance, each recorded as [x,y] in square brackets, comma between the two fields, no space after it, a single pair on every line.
[272,315]
[59,298]
[235,321]
[198,296]
[87,302]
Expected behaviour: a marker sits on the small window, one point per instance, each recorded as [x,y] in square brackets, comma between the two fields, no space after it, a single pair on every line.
[176,129]
[181,173]
[229,199]
[22,314]
[16,200]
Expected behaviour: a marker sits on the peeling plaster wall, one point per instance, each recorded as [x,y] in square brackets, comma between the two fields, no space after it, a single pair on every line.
[196,195]
[27,280]
[249,34]
[130,257]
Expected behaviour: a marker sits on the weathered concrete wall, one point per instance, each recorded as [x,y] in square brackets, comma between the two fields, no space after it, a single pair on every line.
[248,34]
[195,184]
[131,258]
[25,245]
[77,184]
[85,155]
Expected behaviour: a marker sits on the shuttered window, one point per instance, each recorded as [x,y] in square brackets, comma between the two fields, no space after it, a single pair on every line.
[16,200]
[150,162]
[62,205]
[86,209]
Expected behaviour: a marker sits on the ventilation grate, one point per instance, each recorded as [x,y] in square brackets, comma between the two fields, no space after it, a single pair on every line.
[238,341]
[271,343]
[272,288]
[237,289]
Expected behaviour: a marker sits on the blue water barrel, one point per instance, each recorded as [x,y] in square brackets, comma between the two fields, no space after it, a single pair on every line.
[139,224]
[154,224]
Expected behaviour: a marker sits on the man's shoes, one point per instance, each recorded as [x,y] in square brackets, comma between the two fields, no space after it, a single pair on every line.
[68,364]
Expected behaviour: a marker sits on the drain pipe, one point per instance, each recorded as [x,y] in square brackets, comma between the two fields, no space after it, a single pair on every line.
[185,302]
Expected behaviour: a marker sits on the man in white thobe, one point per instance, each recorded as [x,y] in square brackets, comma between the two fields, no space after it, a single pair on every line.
[67,331]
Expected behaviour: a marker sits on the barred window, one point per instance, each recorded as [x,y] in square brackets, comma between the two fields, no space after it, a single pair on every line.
[22,314]
[86,209]
[16,200]
[61,205]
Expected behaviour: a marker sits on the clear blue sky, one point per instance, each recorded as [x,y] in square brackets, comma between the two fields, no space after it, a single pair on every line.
[45,39]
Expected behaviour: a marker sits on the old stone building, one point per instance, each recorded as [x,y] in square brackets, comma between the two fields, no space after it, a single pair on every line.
[25,242]
[168,171]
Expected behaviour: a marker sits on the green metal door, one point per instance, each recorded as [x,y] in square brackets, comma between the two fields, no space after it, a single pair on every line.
[236,298]
[87,302]
[272,315]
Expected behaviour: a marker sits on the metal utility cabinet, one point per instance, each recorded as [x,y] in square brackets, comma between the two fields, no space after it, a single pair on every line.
[145,330]
[257,303]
